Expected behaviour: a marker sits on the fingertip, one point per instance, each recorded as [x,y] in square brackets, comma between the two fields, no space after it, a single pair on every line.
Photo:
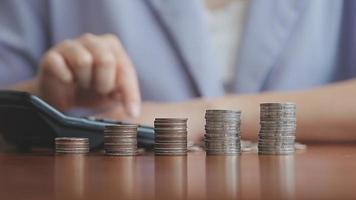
[133,109]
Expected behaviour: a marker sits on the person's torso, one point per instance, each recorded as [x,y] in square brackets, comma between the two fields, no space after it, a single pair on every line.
[286,45]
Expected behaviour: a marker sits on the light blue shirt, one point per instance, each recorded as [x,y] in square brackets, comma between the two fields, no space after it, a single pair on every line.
[286,44]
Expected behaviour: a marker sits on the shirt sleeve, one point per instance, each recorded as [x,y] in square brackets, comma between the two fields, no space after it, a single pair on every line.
[23,38]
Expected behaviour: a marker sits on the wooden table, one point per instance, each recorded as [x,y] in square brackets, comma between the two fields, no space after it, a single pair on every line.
[320,172]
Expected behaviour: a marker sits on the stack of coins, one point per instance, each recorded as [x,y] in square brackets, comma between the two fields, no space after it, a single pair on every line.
[120,140]
[278,126]
[69,145]
[222,132]
[170,136]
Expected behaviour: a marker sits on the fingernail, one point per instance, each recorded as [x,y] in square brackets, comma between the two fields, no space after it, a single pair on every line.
[133,109]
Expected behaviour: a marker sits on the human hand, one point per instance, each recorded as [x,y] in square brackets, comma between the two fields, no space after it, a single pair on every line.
[89,71]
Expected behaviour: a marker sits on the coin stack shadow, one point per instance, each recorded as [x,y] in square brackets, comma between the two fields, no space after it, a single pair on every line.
[71,145]
[222,132]
[170,136]
[120,140]
[277,128]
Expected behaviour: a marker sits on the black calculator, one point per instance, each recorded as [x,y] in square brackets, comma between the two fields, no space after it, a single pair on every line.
[27,121]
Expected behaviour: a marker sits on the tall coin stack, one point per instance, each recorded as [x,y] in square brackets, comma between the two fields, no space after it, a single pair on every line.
[222,132]
[70,145]
[120,140]
[170,136]
[278,125]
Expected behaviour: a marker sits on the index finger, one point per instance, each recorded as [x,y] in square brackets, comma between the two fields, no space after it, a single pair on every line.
[126,78]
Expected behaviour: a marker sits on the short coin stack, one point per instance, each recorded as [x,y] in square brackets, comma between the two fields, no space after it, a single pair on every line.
[222,132]
[170,136]
[120,140]
[71,145]
[278,126]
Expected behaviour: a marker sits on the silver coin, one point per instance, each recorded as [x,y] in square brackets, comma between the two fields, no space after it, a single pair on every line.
[72,145]
[220,139]
[275,147]
[226,126]
[222,111]
[272,141]
[278,104]
[170,153]
[236,147]
[223,143]
[267,115]
[166,150]
[276,152]
[72,151]
[71,139]
[226,136]
[277,131]
[223,123]
[160,150]
[171,145]
[121,153]
[72,148]
[171,132]
[270,112]
[277,127]
[59,146]
[164,123]
[222,135]
[278,119]
[222,118]
[171,119]
[278,111]
[223,152]
[276,140]
[274,135]
[285,137]
[262,141]
[222,131]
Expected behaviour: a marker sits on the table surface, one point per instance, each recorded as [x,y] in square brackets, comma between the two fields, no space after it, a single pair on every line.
[320,172]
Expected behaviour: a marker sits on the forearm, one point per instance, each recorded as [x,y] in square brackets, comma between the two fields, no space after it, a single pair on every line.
[324,114]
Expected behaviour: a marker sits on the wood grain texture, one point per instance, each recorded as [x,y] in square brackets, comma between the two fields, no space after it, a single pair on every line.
[320,172]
